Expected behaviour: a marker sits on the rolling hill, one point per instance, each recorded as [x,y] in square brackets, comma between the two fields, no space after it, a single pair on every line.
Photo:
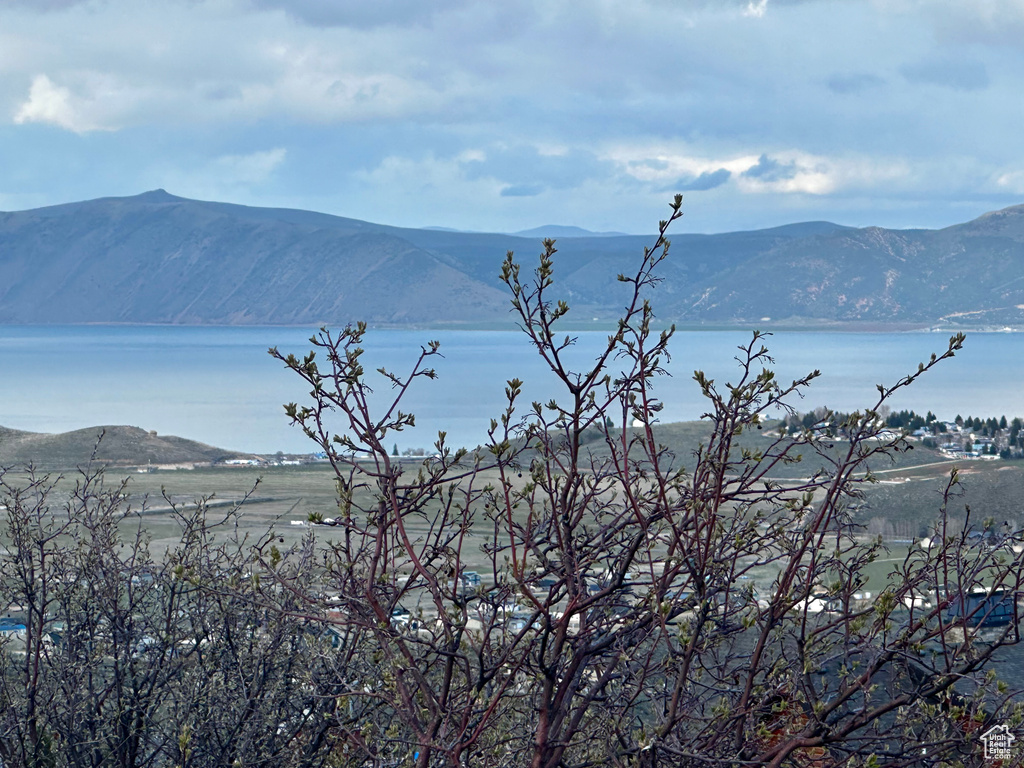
[157,258]
[120,446]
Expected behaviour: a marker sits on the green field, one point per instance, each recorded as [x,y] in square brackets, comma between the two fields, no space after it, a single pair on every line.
[267,497]
[278,496]
[902,506]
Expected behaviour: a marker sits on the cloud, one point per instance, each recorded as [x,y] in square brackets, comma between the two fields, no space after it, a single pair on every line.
[853,83]
[782,173]
[424,175]
[236,177]
[768,169]
[667,166]
[958,74]
[533,167]
[756,8]
[707,180]
[52,104]
[446,189]
[802,173]
[519,106]
[41,5]
[114,64]
[984,22]
[495,171]
[1011,181]
[253,168]
[522,190]
[799,174]
[359,13]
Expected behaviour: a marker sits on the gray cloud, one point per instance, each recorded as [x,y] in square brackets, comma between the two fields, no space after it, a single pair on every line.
[853,83]
[359,13]
[41,5]
[996,22]
[704,182]
[769,169]
[564,116]
[364,13]
[522,190]
[961,75]
[526,168]
[221,92]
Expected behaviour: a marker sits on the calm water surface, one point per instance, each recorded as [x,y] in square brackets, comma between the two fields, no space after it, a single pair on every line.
[220,386]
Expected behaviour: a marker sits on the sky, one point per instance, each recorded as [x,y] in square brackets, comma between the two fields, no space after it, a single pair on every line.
[501,116]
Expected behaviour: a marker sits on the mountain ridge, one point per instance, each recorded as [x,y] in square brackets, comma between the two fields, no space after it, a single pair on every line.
[162,259]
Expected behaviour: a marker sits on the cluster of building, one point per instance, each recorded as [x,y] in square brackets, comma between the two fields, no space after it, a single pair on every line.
[962,442]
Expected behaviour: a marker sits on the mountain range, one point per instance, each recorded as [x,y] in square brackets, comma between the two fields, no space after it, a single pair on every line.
[158,258]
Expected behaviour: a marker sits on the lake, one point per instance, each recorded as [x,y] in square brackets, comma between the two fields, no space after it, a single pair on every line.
[219,385]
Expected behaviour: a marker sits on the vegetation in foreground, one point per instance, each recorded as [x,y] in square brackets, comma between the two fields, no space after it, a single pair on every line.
[612,622]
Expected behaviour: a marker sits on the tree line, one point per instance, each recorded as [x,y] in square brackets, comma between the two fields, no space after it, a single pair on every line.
[823,419]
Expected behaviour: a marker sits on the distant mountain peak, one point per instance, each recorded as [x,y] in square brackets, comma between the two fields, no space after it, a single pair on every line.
[1007,222]
[560,230]
[450,229]
[1002,213]
[158,196]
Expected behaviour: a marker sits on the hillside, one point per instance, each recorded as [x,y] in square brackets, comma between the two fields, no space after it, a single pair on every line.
[969,273]
[120,446]
[157,258]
